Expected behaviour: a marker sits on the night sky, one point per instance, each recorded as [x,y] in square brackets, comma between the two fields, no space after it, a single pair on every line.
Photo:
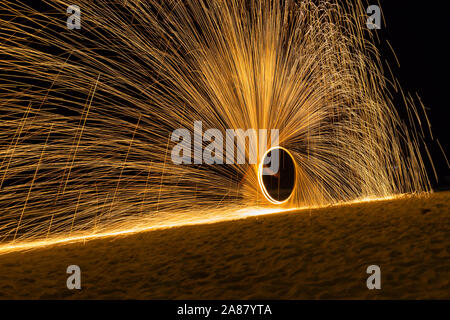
[419,33]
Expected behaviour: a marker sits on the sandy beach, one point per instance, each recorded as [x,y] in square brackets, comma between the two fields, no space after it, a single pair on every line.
[308,254]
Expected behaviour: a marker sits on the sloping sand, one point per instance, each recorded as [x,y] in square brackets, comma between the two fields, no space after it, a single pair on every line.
[313,254]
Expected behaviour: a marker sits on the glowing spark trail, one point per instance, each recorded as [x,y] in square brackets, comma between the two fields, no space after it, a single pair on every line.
[142,227]
[114,91]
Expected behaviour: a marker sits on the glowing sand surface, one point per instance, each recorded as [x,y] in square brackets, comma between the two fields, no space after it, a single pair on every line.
[318,253]
[169,222]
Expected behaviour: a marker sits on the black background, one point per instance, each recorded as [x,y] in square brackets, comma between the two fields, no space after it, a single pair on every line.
[290,309]
[419,32]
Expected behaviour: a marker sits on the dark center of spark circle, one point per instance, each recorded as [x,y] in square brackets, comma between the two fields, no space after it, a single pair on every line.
[280,183]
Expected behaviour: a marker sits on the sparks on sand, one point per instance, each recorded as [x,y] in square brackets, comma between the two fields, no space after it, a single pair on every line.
[133,228]
[86,115]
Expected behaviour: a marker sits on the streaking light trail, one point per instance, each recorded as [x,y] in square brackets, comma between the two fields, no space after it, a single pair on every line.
[195,220]
[86,115]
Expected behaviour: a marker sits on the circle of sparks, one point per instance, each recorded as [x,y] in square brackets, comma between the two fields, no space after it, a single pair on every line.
[264,190]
